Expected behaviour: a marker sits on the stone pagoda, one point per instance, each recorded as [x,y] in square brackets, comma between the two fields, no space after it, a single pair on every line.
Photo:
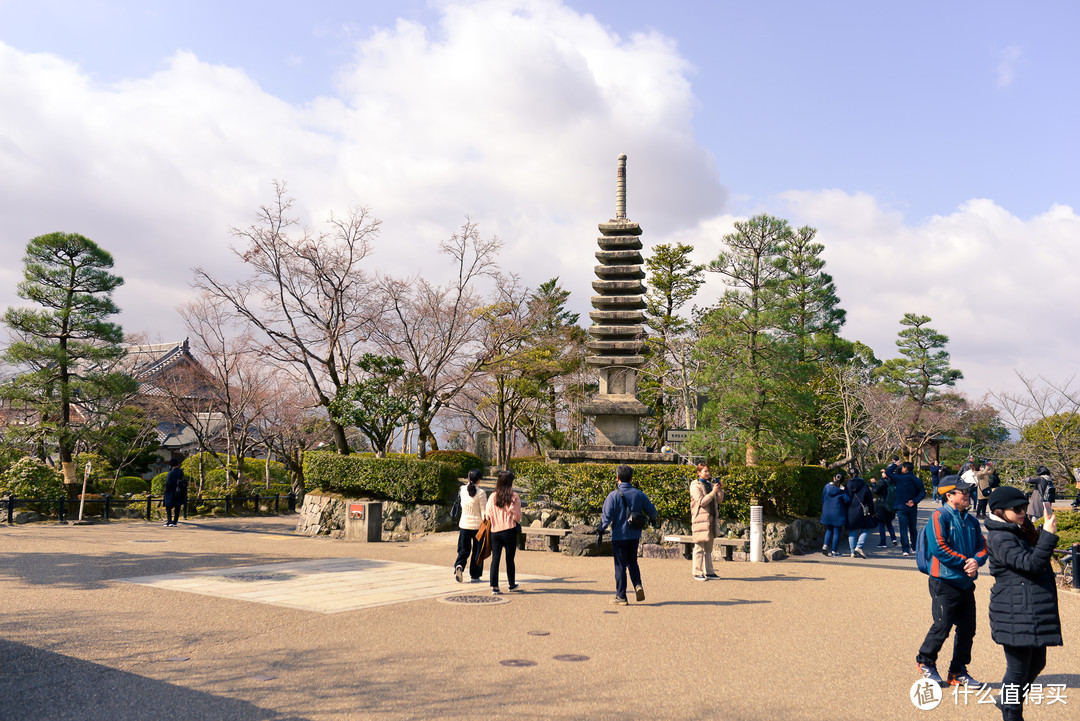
[616,341]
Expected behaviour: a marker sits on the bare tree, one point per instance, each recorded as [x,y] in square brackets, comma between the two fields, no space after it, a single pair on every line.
[307,294]
[438,329]
[1046,417]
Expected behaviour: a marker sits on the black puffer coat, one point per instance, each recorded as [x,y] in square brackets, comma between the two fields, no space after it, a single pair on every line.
[860,514]
[1023,601]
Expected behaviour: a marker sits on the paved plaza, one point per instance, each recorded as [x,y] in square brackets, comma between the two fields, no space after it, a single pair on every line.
[237,619]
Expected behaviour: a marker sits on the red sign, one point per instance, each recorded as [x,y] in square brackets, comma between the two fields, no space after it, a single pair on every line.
[356,511]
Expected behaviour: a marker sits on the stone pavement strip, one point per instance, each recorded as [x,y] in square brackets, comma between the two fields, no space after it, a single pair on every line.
[327,585]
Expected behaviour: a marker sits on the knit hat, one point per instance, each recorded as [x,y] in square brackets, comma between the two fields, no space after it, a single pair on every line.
[1007,497]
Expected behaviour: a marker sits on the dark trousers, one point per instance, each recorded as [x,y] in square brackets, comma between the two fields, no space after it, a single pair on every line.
[950,606]
[884,525]
[172,514]
[503,539]
[908,516]
[980,507]
[625,553]
[468,551]
[1022,667]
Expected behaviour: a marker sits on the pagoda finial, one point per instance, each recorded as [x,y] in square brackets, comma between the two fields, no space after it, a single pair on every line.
[620,190]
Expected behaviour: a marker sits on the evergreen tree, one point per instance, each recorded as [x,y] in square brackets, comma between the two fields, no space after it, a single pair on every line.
[918,374]
[664,380]
[67,346]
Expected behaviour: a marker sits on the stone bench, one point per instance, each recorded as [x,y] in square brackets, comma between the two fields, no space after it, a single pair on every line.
[727,544]
[553,536]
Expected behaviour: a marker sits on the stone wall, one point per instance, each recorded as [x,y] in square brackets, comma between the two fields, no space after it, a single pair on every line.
[325,516]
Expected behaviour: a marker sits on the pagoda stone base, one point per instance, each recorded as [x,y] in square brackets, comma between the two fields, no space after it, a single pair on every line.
[624,454]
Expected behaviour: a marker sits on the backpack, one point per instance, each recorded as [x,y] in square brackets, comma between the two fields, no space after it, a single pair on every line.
[922,550]
[455,510]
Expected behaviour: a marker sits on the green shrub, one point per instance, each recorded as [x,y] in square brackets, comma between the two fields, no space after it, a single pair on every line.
[408,480]
[461,461]
[131,484]
[30,478]
[254,470]
[157,484]
[1068,531]
[582,487]
[102,471]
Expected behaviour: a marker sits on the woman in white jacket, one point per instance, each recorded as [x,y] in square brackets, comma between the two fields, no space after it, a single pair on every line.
[473,505]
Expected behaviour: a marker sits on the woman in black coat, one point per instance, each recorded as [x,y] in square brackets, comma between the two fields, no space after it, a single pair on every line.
[1023,602]
[860,516]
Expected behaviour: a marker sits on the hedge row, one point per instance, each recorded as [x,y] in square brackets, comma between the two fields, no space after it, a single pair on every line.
[582,487]
[407,480]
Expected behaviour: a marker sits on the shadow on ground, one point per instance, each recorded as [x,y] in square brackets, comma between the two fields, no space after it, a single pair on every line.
[41,685]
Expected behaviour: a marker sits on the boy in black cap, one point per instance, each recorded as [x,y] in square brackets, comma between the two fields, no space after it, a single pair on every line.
[956,547]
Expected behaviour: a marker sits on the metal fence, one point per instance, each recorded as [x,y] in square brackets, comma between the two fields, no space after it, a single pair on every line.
[67,507]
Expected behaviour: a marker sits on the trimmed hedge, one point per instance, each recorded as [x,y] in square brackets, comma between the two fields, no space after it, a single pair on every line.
[131,484]
[582,487]
[407,480]
[462,461]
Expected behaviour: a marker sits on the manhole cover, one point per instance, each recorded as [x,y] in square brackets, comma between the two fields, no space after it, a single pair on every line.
[539,633]
[570,657]
[517,662]
[149,541]
[610,611]
[474,600]
[248,577]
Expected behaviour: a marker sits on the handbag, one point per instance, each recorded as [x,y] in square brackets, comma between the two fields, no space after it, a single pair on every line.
[635,519]
[484,536]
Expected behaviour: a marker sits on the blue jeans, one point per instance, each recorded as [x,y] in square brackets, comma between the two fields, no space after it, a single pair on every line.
[861,534]
[832,537]
[909,526]
[625,553]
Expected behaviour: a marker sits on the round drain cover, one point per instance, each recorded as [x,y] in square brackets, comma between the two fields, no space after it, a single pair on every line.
[570,657]
[539,633]
[610,611]
[474,600]
[517,662]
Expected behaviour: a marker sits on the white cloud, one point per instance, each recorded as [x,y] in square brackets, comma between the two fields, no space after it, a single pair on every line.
[1006,68]
[511,112]
[1003,289]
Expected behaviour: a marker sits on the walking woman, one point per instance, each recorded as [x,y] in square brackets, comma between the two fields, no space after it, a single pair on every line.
[473,510]
[504,512]
[834,507]
[860,514]
[1023,602]
[705,498]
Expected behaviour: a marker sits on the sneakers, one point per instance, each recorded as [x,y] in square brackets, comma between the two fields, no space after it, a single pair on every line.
[963,678]
[858,552]
[836,554]
[495,591]
[930,673]
[512,589]
[457,573]
[853,554]
[639,594]
[711,576]
[882,545]
[699,578]
[895,542]
[618,601]
[906,553]
[476,580]
[824,550]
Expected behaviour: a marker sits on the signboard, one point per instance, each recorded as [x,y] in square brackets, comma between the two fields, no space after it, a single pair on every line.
[676,435]
[356,511]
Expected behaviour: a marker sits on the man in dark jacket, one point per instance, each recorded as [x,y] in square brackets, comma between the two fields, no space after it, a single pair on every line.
[956,546]
[909,491]
[1024,616]
[624,537]
[175,492]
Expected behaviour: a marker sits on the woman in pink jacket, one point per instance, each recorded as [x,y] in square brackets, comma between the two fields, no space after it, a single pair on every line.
[705,498]
[504,512]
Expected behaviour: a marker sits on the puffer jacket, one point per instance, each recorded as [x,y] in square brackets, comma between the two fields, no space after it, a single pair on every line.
[860,514]
[834,504]
[703,517]
[1023,601]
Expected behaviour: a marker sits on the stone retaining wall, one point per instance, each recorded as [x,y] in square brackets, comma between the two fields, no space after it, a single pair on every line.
[325,515]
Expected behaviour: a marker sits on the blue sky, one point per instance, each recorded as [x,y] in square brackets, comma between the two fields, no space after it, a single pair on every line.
[932,144]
